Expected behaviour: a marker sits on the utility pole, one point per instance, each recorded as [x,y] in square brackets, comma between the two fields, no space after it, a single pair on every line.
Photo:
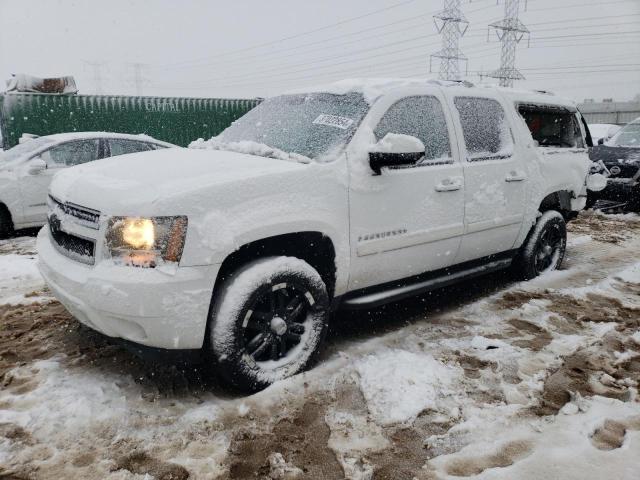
[452,25]
[138,77]
[97,75]
[510,31]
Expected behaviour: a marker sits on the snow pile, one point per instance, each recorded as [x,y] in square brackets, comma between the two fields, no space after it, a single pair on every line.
[249,148]
[72,400]
[571,446]
[398,385]
[19,276]
[73,411]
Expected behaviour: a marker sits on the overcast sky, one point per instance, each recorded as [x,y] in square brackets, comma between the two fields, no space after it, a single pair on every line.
[579,48]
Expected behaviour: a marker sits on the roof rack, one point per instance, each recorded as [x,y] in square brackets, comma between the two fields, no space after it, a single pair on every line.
[544,92]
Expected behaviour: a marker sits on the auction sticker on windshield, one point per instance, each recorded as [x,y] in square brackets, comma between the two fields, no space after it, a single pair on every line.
[333,121]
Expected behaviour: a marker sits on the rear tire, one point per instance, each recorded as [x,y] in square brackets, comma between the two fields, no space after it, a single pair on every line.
[634,201]
[268,322]
[6,225]
[544,248]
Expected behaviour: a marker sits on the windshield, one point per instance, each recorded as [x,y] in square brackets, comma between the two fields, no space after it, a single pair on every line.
[313,125]
[24,149]
[628,136]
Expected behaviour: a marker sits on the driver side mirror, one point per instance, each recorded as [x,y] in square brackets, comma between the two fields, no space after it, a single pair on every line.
[37,166]
[395,150]
[601,141]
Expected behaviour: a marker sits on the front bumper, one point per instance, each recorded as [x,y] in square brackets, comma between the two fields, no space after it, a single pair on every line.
[621,190]
[150,306]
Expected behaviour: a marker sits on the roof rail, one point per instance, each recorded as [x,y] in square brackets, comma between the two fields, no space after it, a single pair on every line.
[464,83]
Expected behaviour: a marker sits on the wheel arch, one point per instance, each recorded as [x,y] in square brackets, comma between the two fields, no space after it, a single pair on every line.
[560,201]
[4,210]
[314,247]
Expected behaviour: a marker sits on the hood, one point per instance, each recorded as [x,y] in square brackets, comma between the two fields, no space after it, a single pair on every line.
[141,183]
[615,154]
[626,159]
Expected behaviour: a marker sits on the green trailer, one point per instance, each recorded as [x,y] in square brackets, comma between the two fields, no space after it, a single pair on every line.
[172,119]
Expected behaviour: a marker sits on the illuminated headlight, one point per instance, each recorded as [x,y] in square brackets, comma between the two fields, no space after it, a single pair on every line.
[146,242]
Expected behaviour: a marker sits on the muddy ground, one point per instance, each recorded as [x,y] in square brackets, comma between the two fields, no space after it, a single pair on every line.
[521,356]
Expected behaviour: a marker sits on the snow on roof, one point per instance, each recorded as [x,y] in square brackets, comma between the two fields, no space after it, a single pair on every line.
[63,137]
[373,88]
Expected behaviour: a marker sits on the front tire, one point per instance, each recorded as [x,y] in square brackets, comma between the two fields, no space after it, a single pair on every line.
[545,246]
[268,322]
[6,225]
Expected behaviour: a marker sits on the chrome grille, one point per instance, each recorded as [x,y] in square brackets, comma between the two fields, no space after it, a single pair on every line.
[83,216]
[72,246]
[71,242]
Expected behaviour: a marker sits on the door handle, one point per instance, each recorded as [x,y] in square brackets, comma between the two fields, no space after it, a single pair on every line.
[515,177]
[449,185]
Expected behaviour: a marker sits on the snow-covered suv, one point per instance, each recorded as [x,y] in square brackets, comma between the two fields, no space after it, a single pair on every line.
[352,195]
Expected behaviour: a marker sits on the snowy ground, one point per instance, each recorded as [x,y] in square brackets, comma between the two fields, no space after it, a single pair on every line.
[490,379]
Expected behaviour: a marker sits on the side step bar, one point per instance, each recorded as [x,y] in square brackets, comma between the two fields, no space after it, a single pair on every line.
[393,294]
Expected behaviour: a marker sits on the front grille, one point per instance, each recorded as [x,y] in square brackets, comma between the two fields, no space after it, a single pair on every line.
[622,170]
[72,246]
[82,215]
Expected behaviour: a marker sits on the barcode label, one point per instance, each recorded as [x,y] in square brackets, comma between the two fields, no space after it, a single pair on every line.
[333,121]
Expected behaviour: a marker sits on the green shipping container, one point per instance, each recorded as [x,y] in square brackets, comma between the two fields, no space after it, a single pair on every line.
[172,119]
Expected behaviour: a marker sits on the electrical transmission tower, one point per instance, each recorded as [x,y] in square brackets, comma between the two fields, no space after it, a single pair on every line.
[97,75]
[452,25]
[510,31]
[138,77]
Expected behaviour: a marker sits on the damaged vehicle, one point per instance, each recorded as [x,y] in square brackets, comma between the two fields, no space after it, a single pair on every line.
[27,169]
[619,158]
[351,195]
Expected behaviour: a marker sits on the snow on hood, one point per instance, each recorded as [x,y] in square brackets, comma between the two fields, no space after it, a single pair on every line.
[249,147]
[132,184]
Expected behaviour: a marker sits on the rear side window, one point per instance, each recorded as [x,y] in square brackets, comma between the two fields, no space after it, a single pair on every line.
[420,117]
[121,147]
[72,153]
[552,126]
[485,129]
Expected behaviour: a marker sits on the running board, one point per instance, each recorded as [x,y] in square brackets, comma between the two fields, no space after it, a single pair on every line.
[393,294]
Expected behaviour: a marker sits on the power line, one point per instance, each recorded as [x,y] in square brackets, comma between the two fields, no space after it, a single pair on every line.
[313,65]
[322,42]
[277,67]
[309,32]
[579,5]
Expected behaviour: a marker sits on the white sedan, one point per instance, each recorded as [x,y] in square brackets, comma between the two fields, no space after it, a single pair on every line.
[27,169]
[602,131]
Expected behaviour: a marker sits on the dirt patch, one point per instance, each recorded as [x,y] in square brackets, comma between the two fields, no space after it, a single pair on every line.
[142,464]
[472,366]
[27,333]
[537,337]
[300,438]
[507,456]
[517,298]
[594,370]
[604,228]
[404,460]
[15,433]
[609,436]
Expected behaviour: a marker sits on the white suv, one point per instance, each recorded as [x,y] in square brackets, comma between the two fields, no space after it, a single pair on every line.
[353,195]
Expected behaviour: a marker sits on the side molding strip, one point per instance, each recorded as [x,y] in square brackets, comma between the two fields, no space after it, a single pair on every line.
[393,294]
